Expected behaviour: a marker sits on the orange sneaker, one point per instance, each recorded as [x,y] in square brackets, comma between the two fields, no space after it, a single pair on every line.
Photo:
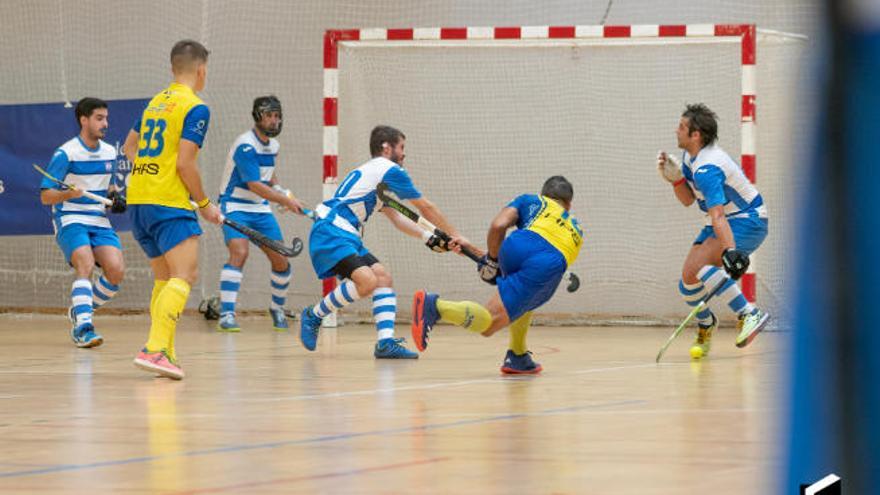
[158,362]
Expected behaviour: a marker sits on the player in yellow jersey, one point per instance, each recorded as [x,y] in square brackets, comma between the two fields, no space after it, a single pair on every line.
[527,267]
[163,147]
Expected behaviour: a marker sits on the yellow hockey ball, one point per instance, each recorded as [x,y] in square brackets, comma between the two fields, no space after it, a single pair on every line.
[696,352]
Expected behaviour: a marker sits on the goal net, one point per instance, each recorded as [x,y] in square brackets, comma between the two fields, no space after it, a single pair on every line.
[488,119]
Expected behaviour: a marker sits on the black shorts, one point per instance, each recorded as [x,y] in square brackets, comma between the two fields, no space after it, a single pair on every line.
[349,264]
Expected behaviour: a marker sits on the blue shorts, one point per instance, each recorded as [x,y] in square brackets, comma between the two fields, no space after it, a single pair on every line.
[76,235]
[531,269]
[748,233]
[264,223]
[328,245]
[159,228]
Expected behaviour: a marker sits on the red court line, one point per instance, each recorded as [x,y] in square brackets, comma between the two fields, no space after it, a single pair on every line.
[295,479]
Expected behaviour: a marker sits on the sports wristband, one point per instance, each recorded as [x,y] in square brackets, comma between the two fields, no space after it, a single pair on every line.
[679,182]
[203,203]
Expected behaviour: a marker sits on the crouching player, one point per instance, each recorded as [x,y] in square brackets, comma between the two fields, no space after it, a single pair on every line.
[527,268]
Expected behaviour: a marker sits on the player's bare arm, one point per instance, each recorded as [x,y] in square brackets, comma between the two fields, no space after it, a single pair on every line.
[498,230]
[55,196]
[275,195]
[130,146]
[188,169]
[430,211]
[722,227]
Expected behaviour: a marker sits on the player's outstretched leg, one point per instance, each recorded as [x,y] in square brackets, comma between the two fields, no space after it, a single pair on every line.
[752,319]
[518,359]
[693,294]
[429,308]
[310,323]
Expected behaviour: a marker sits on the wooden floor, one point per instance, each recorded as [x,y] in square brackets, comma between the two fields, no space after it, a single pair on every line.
[257,414]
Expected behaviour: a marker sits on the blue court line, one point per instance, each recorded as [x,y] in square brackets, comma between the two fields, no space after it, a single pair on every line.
[322,439]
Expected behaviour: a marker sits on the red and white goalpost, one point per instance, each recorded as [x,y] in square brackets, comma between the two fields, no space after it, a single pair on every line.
[745,35]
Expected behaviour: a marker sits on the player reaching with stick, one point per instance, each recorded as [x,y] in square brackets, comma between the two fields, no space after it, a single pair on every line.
[736,225]
[336,247]
[527,268]
[163,147]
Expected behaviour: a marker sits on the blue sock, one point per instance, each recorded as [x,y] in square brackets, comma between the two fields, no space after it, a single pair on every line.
[712,276]
[103,291]
[230,282]
[384,311]
[692,295]
[81,297]
[343,295]
[280,281]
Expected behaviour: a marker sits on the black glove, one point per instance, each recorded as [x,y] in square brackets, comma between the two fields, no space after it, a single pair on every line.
[735,263]
[118,205]
[438,243]
[488,268]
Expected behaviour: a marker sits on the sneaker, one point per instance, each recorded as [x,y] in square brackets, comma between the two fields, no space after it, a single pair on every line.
[520,364]
[159,362]
[752,323]
[425,316]
[71,315]
[85,336]
[279,320]
[703,342]
[227,323]
[309,326]
[391,348]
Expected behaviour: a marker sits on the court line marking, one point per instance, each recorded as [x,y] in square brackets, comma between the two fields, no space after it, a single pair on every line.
[429,386]
[294,479]
[314,440]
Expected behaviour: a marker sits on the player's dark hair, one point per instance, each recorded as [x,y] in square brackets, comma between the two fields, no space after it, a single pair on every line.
[558,188]
[187,54]
[87,106]
[701,119]
[384,134]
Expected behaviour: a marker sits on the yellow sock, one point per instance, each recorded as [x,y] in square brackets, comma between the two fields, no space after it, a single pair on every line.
[158,285]
[466,314]
[169,303]
[518,330]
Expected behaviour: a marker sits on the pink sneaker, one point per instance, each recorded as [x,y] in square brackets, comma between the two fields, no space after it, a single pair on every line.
[158,362]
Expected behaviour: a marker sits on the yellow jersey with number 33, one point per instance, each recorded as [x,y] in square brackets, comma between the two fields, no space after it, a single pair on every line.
[551,221]
[175,113]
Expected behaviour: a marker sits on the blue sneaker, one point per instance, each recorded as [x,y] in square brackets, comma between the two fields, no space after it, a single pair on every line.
[391,348]
[227,323]
[425,316]
[85,336]
[279,320]
[309,326]
[520,364]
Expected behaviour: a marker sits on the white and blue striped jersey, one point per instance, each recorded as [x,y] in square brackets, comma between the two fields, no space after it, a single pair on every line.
[248,160]
[718,180]
[355,198]
[88,169]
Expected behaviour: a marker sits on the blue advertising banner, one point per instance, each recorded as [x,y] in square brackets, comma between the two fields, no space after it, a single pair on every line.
[30,134]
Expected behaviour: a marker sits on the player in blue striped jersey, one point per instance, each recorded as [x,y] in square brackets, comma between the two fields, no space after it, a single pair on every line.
[82,229]
[337,249]
[248,185]
[736,224]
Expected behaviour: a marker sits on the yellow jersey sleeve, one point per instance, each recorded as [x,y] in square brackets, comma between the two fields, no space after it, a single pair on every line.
[175,113]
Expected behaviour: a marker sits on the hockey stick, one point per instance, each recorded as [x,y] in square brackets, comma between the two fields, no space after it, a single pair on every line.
[64,185]
[296,245]
[574,282]
[688,318]
[430,228]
